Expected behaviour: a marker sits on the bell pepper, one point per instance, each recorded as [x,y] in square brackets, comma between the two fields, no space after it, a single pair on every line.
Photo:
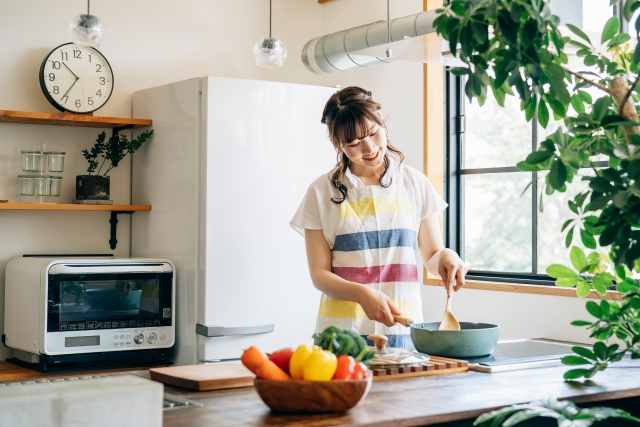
[282,358]
[360,371]
[319,366]
[297,361]
[346,366]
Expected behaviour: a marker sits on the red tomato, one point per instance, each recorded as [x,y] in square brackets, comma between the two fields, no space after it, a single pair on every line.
[281,358]
[360,371]
[345,368]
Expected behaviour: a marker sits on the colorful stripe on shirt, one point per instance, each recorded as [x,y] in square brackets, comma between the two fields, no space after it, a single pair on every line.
[379,273]
[375,240]
[376,206]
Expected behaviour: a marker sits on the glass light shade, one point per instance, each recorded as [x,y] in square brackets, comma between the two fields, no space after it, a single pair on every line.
[86,30]
[269,53]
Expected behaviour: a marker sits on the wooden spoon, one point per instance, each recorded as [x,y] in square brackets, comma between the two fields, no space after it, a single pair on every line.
[449,321]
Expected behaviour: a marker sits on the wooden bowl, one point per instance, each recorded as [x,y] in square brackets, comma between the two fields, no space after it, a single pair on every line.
[299,396]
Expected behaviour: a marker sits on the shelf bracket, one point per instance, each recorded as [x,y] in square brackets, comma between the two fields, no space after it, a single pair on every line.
[114,221]
[119,129]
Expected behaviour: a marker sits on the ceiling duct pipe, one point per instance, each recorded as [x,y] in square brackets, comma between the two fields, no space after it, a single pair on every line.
[334,53]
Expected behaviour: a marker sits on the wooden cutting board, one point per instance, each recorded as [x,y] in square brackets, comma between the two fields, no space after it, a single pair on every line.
[212,376]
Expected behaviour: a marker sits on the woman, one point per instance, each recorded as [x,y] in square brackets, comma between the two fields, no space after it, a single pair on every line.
[362,223]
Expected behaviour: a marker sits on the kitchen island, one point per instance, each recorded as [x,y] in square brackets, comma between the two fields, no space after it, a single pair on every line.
[432,400]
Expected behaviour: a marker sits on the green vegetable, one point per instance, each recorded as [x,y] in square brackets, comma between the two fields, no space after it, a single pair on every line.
[344,342]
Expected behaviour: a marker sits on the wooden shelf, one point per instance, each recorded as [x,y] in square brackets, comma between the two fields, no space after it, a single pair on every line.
[68,119]
[72,207]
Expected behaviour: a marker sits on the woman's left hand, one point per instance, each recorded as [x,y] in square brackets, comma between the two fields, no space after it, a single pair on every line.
[452,271]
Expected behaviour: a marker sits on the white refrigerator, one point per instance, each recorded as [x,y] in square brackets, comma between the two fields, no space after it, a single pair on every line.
[225,171]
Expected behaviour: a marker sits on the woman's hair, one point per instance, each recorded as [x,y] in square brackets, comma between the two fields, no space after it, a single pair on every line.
[346,114]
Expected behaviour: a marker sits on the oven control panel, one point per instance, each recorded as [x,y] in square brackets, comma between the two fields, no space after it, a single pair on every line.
[71,342]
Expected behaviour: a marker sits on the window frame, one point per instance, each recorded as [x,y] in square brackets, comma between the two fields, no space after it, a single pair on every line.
[454,140]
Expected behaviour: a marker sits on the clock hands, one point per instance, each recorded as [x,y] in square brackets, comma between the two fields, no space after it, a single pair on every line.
[74,74]
[65,94]
[74,82]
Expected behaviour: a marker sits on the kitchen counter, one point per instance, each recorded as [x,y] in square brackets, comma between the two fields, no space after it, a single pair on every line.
[411,402]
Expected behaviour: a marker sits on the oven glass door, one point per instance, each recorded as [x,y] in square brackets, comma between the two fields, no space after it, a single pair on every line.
[108,301]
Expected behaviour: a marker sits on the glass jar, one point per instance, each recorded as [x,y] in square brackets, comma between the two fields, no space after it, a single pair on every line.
[55,160]
[56,183]
[31,161]
[42,185]
[27,185]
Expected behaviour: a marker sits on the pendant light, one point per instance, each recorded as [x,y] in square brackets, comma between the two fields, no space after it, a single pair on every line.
[270,53]
[87,30]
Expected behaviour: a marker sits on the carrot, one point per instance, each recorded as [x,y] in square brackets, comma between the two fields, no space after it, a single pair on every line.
[270,371]
[252,358]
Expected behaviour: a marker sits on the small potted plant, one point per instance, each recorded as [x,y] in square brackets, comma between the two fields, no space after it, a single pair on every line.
[95,187]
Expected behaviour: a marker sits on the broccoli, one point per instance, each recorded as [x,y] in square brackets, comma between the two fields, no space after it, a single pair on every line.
[344,342]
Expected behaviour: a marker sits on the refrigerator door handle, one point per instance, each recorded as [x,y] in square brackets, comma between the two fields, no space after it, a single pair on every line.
[221,331]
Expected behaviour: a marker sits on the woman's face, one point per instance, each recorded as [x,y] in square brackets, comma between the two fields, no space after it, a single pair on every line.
[369,151]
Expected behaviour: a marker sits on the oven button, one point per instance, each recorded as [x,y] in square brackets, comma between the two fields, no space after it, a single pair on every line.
[139,338]
[115,337]
[115,343]
[152,338]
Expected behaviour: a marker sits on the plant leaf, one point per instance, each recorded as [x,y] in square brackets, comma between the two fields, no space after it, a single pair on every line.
[584,352]
[583,289]
[594,309]
[575,373]
[610,29]
[575,360]
[560,271]
[578,32]
[587,239]
[600,350]
[578,258]
[557,174]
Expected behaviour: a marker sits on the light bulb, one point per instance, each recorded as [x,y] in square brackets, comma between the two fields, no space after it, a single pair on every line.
[87,30]
[269,53]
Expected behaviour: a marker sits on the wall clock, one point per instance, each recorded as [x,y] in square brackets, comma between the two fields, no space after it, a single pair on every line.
[76,78]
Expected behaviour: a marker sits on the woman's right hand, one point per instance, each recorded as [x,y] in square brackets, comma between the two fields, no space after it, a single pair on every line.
[377,306]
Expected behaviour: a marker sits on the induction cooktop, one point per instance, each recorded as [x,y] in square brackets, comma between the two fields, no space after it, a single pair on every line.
[522,354]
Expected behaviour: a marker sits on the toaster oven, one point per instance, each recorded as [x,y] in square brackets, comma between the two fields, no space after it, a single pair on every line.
[79,313]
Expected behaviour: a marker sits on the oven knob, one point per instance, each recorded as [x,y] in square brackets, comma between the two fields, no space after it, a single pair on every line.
[152,338]
[139,339]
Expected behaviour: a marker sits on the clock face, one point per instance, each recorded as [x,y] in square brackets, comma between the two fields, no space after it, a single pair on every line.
[76,78]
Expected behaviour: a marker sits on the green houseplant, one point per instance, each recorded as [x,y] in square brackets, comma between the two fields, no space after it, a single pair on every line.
[105,155]
[514,47]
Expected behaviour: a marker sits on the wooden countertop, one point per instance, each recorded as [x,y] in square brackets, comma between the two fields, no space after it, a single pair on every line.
[410,402]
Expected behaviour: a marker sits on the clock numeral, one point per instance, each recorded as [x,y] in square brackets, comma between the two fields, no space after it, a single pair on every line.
[99,93]
[76,53]
[55,65]
[78,103]
[64,55]
[56,90]
[65,98]
[98,68]
[90,101]
[102,80]
[89,59]
[52,77]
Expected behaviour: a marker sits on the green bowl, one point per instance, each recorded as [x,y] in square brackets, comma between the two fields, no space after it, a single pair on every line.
[472,340]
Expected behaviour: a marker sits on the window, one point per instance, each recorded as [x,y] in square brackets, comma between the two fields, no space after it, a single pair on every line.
[495,221]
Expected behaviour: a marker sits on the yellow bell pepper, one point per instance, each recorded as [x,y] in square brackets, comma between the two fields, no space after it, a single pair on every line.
[320,366]
[297,360]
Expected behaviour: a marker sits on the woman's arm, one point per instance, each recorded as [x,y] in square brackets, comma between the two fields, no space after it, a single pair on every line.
[376,305]
[438,260]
